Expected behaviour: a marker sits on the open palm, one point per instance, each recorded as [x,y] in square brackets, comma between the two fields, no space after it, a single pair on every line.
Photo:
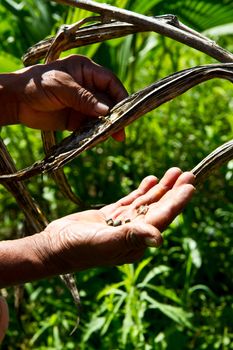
[120,232]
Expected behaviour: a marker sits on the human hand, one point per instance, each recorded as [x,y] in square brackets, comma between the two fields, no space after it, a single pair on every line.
[63,94]
[84,240]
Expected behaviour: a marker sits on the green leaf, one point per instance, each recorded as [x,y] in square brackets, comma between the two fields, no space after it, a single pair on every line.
[112,289]
[113,313]
[198,14]
[128,320]
[13,6]
[190,245]
[96,324]
[165,292]
[152,273]
[39,333]
[140,267]
[202,287]
[145,6]
[9,63]
[221,30]
[175,313]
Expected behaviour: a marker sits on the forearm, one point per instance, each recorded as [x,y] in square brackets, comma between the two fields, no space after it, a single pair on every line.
[20,261]
[8,98]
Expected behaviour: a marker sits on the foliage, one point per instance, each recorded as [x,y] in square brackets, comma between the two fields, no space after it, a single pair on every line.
[179,296]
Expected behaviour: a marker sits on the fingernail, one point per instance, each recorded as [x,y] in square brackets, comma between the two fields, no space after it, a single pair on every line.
[101,108]
[151,242]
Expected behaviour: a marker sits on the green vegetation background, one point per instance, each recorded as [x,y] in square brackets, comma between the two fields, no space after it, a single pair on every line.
[181,295]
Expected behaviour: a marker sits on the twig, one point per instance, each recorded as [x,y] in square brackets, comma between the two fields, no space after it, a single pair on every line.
[122,115]
[64,35]
[177,32]
[213,161]
[87,35]
[36,219]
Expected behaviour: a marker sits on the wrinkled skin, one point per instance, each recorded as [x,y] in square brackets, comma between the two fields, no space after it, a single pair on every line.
[61,95]
[83,240]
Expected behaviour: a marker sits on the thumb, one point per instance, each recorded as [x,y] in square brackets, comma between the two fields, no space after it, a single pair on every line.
[82,100]
[140,235]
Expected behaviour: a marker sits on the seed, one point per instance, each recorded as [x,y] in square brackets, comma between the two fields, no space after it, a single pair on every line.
[117,223]
[142,210]
[109,222]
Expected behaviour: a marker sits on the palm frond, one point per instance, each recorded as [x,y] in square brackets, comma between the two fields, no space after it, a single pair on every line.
[200,15]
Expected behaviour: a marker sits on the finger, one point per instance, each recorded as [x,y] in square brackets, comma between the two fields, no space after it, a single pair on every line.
[185,178]
[115,209]
[149,191]
[170,177]
[164,185]
[117,90]
[85,102]
[71,94]
[119,135]
[146,184]
[163,213]
[95,78]
[142,235]
[104,80]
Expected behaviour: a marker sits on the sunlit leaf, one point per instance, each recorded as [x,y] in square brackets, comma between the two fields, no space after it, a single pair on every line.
[202,287]
[191,245]
[152,273]
[164,292]
[9,63]
[141,267]
[113,314]
[96,324]
[175,313]
[224,29]
[113,289]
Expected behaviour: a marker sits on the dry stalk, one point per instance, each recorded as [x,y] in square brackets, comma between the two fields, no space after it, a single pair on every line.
[172,29]
[106,28]
[35,218]
[122,115]
[111,23]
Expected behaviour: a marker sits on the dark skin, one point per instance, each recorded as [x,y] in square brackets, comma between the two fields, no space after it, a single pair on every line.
[63,95]
[84,240]
[88,236]
[60,95]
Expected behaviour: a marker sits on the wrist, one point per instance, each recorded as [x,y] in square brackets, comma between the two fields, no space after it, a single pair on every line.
[47,249]
[9,98]
[22,261]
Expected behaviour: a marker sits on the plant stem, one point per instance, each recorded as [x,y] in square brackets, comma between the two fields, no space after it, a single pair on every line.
[171,28]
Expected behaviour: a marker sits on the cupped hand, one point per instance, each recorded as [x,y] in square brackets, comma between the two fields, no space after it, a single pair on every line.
[63,94]
[119,233]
